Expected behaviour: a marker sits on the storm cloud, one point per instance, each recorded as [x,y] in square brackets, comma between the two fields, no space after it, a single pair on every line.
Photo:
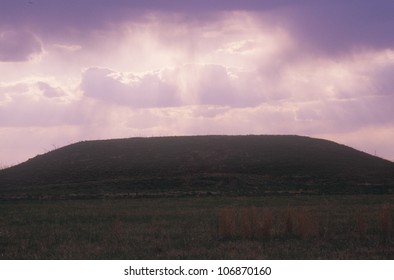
[17,46]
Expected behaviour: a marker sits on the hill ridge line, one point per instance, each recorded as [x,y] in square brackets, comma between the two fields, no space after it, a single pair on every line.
[241,164]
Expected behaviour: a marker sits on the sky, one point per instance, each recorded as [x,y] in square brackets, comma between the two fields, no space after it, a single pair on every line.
[99,69]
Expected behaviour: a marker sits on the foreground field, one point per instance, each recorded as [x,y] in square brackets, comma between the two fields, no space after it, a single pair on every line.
[271,227]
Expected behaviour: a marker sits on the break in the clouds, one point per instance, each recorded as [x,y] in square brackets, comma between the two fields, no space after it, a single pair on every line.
[76,70]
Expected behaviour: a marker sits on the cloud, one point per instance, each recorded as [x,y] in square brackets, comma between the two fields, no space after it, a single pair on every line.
[337,27]
[18,46]
[324,83]
[142,68]
[68,48]
[128,89]
[49,91]
[91,13]
[219,85]
[345,115]
[324,26]
[36,104]
[340,96]
[190,84]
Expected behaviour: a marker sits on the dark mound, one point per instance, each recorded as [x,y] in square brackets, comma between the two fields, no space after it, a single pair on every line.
[198,165]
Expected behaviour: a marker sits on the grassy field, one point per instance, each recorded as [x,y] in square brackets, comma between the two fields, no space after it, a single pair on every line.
[270,227]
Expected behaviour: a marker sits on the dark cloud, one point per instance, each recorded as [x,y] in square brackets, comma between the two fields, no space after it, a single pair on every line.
[338,26]
[332,26]
[17,46]
[94,12]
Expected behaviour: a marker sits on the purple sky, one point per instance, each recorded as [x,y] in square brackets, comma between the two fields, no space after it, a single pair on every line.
[96,69]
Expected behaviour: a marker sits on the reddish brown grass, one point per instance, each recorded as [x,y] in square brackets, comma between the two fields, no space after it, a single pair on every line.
[226,226]
[385,222]
[300,222]
[264,225]
[289,222]
[307,224]
[246,223]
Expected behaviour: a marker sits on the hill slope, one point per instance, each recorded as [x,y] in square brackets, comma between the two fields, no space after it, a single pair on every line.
[233,164]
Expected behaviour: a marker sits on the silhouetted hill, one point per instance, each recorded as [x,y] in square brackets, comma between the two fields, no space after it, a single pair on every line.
[198,165]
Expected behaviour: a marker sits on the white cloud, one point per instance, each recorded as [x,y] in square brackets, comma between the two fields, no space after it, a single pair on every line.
[68,48]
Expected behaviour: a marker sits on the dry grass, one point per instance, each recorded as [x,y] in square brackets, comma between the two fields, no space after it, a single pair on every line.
[385,222]
[226,223]
[246,223]
[264,225]
[289,222]
[308,225]
[361,226]
[258,223]
[300,222]
[280,227]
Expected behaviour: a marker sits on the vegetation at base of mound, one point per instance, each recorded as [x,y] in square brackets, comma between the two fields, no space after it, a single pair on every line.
[247,165]
[279,227]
